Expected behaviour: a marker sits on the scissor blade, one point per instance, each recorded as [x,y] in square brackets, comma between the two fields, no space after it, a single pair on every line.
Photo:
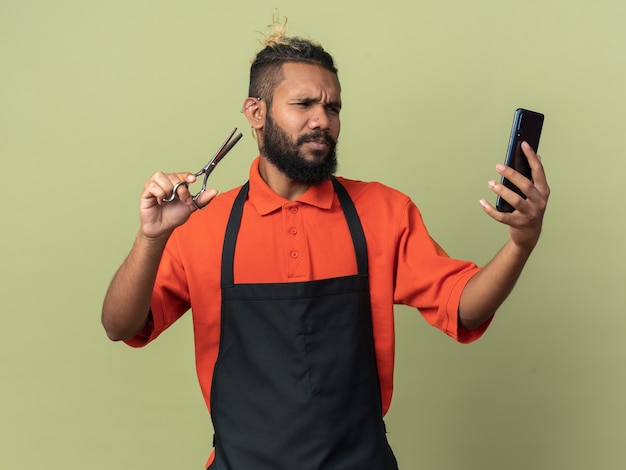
[223,150]
[227,149]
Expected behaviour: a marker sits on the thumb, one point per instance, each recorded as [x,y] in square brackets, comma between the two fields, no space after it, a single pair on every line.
[205,198]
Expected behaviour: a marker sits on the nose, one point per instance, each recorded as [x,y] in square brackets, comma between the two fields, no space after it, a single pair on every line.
[320,118]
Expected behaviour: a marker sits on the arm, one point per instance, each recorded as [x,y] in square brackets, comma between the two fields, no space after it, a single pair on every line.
[126,306]
[486,291]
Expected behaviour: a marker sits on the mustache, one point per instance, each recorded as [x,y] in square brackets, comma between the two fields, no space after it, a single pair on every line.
[316,135]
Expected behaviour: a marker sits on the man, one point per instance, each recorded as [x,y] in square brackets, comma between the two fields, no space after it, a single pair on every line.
[292,279]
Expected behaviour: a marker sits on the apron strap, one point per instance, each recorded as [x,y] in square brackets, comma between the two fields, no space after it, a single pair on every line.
[232,228]
[230,238]
[356,229]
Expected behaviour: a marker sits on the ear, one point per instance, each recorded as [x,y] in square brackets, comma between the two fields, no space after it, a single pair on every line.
[254,110]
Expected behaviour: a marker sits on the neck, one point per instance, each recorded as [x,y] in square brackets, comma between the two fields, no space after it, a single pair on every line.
[281,184]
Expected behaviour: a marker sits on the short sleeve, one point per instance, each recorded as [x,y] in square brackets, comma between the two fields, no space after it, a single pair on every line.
[429,280]
[170,296]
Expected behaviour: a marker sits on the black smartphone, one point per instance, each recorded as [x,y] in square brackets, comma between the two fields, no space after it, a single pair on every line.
[527,127]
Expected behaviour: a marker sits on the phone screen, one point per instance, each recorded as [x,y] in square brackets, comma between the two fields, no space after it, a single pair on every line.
[527,127]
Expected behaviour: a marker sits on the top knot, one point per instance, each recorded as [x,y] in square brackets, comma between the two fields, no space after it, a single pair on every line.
[278,36]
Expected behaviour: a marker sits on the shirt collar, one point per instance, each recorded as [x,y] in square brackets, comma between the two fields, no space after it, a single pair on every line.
[265,200]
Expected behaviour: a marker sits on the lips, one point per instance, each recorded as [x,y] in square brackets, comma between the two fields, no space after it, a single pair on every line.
[317,139]
[318,144]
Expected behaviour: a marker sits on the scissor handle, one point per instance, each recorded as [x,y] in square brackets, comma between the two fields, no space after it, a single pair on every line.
[228,144]
[173,195]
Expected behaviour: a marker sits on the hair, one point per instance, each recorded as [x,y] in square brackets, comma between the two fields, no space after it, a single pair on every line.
[266,68]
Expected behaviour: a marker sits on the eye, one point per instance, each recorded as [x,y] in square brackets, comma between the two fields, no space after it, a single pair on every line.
[331,108]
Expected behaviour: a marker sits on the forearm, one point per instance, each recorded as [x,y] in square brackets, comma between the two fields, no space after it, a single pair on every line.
[126,304]
[488,289]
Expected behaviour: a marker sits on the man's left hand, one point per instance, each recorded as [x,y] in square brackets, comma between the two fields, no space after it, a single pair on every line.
[526,220]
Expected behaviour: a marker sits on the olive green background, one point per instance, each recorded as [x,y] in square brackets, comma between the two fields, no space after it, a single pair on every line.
[95,96]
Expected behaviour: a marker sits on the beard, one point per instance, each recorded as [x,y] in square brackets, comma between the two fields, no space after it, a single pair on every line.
[286,155]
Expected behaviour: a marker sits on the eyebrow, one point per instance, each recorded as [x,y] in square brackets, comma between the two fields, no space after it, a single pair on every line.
[308,99]
[336,104]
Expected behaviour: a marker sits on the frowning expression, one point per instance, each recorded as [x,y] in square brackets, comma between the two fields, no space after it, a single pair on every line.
[302,125]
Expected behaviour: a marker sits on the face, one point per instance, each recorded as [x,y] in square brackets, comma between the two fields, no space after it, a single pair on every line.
[301,129]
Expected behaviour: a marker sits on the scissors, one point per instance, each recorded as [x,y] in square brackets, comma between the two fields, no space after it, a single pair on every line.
[207,169]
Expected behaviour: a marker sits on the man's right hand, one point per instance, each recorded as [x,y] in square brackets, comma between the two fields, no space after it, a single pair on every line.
[158,217]
[126,305]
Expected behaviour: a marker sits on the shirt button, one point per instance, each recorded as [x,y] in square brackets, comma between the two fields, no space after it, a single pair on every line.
[293,230]
[294,210]
[294,254]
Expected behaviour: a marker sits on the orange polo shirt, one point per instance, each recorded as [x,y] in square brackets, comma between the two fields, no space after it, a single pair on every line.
[302,240]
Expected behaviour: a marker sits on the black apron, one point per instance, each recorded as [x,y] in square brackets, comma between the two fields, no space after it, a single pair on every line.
[295,385]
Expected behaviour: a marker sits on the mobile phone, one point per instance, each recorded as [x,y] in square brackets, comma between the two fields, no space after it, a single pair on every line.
[527,127]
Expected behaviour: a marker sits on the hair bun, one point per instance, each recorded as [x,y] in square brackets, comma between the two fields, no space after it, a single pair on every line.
[278,36]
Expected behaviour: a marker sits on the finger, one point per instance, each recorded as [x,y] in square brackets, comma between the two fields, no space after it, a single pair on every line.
[161,186]
[538,171]
[177,186]
[204,198]
[181,182]
[158,187]
[181,190]
[182,176]
[494,213]
[507,194]
[512,175]
[532,206]
[534,161]
[525,185]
